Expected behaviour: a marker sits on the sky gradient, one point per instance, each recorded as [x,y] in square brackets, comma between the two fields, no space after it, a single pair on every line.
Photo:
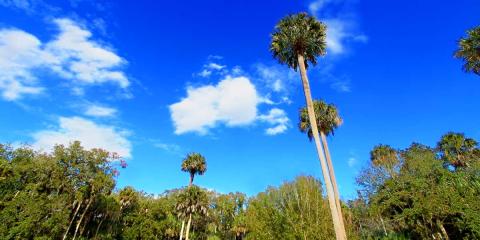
[154,81]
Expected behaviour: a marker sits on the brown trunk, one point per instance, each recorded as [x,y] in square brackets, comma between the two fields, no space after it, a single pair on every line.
[73,218]
[191,178]
[339,231]
[188,227]
[332,176]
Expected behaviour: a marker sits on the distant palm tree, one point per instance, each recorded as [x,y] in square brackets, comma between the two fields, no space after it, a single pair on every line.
[457,150]
[385,157]
[469,51]
[192,200]
[194,164]
[297,41]
[328,120]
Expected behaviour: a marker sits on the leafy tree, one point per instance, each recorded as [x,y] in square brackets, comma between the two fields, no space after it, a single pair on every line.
[469,51]
[297,42]
[295,210]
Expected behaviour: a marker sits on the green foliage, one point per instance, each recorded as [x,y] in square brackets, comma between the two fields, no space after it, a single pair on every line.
[298,34]
[326,115]
[469,51]
[295,210]
[426,198]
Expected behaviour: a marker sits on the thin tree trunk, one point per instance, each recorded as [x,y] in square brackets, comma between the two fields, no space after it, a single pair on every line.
[181,230]
[73,218]
[444,232]
[188,226]
[81,217]
[98,227]
[339,231]
[191,179]
[383,226]
[332,176]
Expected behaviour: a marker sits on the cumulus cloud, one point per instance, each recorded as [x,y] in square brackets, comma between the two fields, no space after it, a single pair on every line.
[100,111]
[90,134]
[233,102]
[72,54]
[278,119]
[341,24]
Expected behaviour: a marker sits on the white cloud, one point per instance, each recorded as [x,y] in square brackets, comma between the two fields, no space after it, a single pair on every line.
[83,59]
[19,53]
[71,55]
[90,134]
[278,119]
[213,67]
[277,78]
[341,26]
[100,111]
[352,162]
[341,85]
[233,102]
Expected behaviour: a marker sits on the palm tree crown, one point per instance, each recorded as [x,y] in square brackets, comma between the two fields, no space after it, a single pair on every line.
[194,164]
[192,200]
[326,115]
[298,34]
[458,150]
[469,51]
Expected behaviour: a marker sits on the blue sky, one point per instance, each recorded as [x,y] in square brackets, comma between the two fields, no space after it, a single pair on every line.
[155,81]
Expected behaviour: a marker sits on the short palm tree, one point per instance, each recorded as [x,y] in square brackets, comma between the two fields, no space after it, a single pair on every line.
[192,200]
[327,120]
[469,51]
[194,164]
[297,42]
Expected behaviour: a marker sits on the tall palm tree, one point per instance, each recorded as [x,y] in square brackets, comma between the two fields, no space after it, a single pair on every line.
[194,164]
[297,41]
[327,120]
[469,51]
[192,200]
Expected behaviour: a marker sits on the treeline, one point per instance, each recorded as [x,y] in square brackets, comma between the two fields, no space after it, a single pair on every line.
[420,192]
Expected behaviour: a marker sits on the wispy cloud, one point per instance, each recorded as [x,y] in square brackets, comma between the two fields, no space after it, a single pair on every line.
[341,21]
[278,119]
[89,133]
[71,55]
[100,111]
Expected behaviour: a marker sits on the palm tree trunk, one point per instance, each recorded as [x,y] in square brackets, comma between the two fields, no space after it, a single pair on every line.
[339,231]
[332,176]
[181,230]
[191,178]
[188,226]
[81,217]
[73,218]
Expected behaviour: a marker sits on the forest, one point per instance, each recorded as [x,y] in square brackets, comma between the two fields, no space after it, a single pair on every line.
[415,193]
